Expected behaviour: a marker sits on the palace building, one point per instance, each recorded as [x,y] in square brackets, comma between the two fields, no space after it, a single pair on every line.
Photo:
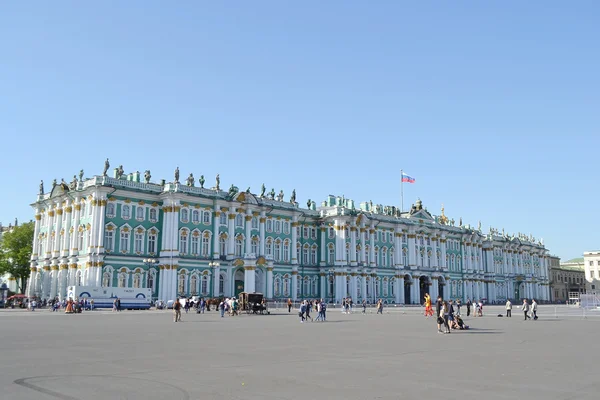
[181,239]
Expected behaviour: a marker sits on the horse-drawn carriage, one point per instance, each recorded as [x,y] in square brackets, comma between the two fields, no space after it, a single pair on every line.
[253,303]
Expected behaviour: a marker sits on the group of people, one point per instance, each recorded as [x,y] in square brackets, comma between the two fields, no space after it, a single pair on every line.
[447,317]
[320,307]
[529,310]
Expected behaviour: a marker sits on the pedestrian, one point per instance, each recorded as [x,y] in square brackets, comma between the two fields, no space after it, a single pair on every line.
[380,307]
[458,305]
[534,309]
[289,304]
[508,308]
[444,315]
[469,307]
[176,311]
[526,309]
[302,311]
[364,306]
[222,308]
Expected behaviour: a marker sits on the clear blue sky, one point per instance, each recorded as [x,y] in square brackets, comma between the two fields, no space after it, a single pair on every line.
[494,107]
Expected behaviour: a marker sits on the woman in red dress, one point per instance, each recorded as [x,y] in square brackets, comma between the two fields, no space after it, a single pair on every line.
[69,308]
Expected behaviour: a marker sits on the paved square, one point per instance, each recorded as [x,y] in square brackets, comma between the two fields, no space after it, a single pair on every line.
[144,355]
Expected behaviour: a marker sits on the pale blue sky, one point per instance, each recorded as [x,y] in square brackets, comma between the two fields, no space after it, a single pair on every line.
[492,106]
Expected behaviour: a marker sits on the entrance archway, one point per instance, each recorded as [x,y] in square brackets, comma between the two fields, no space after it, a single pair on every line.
[238,282]
[407,285]
[423,288]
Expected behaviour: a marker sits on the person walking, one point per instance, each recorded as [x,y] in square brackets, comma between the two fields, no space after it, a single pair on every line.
[380,307]
[222,308]
[177,311]
[302,311]
[469,307]
[508,309]
[534,309]
[444,314]
[458,305]
[289,304]
[364,306]
[526,309]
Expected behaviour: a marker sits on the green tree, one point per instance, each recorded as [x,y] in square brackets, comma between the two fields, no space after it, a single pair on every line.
[15,253]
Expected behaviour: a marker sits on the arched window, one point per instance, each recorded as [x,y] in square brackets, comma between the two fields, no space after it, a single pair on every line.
[286,286]
[106,279]
[109,239]
[184,215]
[124,245]
[239,245]
[254,245]
[221,285]
[206,217]
[331,254]
[195,216]
[306,288]
[269,225]
[367,254]
[150,282]
[384,257]
[305,254]
[223,218]
[254,223]
[110,210]
[223,245]
[183,242]
[359,287]
[205,245]
[368,287]
[140,213]
[153,215]
[137,281]
[239,220]
[377,286]
[152,242]
[125,211]
[286,227]
[269,247]
[404,256]
[195,243]
[277,254]
[315,286]
[286,251]
[139,241]
[392,288]
[298,251]
[348,291]
[385,287]
[204,288]
[181,284]
[277,287]
[194,285]
[123,279]
[313,255]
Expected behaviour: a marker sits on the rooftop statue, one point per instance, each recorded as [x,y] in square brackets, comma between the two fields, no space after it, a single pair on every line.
[147,176]
[190,180]
[280,195]
[177,175]
[248,190]
[73,184]
[218,179]
[308,203]
[120,172]
[460,222]
[41,187]
[479,226]
[53,183]
[272,194]
[232,190]
[262,190]
[293,197]
[201,181]
[80,175]
[106,167]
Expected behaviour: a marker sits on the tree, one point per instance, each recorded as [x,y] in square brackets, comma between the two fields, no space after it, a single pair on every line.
[15,253]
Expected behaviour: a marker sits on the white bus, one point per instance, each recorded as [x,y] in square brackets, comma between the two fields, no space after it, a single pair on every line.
[104,297]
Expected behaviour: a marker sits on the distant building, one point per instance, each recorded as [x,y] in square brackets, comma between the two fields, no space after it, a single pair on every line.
[591,260]
[567,277]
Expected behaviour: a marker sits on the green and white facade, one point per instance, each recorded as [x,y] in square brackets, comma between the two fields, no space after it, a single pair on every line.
[102,231]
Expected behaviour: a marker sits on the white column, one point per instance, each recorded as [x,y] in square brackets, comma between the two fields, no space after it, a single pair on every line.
[412,262]
[323,246]
[294,283]
[231,234]
[216,278]
[161,282]
[63,275]
[32,280]
[415,290]
[372,261]
[443,255]
[59,240]
[397,289]
[49,248]
[270,280]
[248,232]
[353,286]
[294,243]
[249,279]
[363,242]
[216,221]
[363,289]
[54,281]
[261,230]
[434,289]
[353,259]
[36,239]
[46,282]
[397,248]
[434,248]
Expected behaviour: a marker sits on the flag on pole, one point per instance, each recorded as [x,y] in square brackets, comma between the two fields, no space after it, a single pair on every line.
[406,178]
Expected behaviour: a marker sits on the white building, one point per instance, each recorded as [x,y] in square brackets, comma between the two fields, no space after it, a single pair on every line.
[591,259]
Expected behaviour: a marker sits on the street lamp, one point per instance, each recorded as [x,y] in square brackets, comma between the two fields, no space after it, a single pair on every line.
[331,274]
[213,265]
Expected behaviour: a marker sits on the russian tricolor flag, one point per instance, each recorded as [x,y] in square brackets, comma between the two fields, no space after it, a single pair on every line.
[406,178]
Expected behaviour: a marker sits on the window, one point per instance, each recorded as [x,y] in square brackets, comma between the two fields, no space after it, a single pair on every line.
[183,242]
[106,279]
[206,217]
[110,210]
[306,287]
[305,255]
[221,284]
[108,240]
[376,256]
[385,287]
[139,213]
[286,251]
[331,254]
[384,258]
[277,255]
[299,287]
[150,283]
[286,228]
[124,247]
[269,225]
[254,244]
[404,257]
[153,215]
[184,215]
[83,209]
[254,223]
[181,284]
[315,286]
[359,287]
[137,281]
[330,286]
[223,219]
[239,221]
[151,243]
[195,244]
[313,255]
[313,233]
[193,285]
[269,247]
[126,212]
[277,226]
[204,288]
[286,286]
[122,280]
[591,263]
[205,246]
[195,216]
[239,245]
[377,287]
[223,246]
[277,287]
[139,243]
[305,232]
[298,251]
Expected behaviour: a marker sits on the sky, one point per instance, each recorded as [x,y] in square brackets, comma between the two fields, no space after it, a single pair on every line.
[493,107]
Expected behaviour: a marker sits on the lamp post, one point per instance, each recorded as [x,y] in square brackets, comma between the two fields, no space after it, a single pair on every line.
[213,265]
[331,274]
[150,263]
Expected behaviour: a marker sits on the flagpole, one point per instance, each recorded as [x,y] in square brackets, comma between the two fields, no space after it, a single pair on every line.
[401,194]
